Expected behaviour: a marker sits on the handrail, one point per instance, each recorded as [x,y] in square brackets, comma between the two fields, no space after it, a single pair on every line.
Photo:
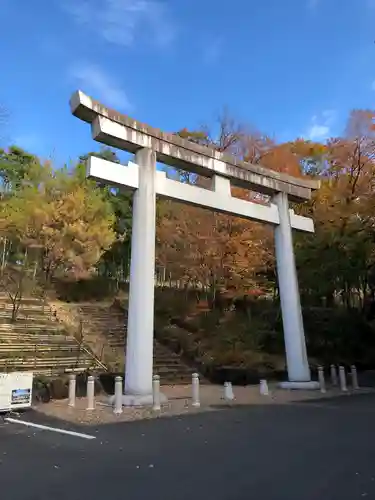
[91,354]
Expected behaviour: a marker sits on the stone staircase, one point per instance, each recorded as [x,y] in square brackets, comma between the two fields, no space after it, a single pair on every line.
[104,330]
[37,342]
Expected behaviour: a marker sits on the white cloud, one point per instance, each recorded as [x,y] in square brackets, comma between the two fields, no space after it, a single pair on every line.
[99,84]
[122,22]
[320,127]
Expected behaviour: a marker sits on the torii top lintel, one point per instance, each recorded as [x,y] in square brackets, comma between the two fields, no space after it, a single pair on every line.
[121,131]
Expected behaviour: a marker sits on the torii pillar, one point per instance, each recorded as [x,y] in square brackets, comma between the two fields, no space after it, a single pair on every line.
[299,375]
[140,335]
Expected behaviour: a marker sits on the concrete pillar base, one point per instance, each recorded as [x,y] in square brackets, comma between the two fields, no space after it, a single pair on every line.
[138,400]
[311,385]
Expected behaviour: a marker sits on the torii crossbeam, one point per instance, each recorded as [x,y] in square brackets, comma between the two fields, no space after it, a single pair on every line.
[151,145]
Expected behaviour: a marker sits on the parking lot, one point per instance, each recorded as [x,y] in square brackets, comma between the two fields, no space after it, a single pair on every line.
[316,450]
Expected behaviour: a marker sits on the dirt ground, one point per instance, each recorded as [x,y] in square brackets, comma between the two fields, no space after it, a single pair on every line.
[179,403]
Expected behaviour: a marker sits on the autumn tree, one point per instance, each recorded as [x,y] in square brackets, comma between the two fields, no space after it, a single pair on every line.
[341,252]
[67,218]
[115,261]
[219,250]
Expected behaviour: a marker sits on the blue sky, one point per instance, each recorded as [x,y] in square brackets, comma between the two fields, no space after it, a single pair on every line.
[287,67]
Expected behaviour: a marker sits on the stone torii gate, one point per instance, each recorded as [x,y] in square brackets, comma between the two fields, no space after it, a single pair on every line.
[151,145]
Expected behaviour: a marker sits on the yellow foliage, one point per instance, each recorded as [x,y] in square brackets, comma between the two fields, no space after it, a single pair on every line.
[70,220]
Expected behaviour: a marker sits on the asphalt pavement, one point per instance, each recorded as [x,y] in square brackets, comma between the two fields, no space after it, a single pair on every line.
[320,450]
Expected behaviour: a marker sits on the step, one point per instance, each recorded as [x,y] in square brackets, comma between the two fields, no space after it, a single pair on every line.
[100,313]
[27,312]
[51,366]
[51,355]
[35,339]
[69,360]
[46,323]
[38,348]
[11,332]
[25,307]
[105,322]
[44,355]
[32,333]
[166,354]
[101,316]
[174,381]
[167,364]
[106,328]
[46,347]
[49,371]
[22,318]
[176,370]
[30,326]
[46,361]
[96,315]
[53,372]
[29,302]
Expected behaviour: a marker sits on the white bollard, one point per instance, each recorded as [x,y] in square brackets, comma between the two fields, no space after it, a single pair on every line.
[322,381]
[72,390]
[342,376]
[228,391]
[195,390]
[118,396]
[354,377]
[156,393]
[334,380]
[231,393]
[263,388]
[90,393]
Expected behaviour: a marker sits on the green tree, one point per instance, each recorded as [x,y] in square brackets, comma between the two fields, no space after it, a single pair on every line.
[15,162]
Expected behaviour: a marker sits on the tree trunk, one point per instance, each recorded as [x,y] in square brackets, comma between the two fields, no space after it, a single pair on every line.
[4,256]
[16,301]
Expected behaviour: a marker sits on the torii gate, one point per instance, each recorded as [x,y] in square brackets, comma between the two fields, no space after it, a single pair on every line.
[151,145]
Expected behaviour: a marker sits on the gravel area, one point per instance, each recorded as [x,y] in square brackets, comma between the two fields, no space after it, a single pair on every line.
[179,403]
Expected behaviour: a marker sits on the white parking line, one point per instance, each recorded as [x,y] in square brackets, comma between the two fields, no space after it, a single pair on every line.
[47,428]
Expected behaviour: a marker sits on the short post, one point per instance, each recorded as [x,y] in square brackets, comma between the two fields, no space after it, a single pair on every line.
[118,396]
[72,390]
[342,376]
[228,391]
[90,393]
[334,380]
[156,393]
[195,390]
[321,379]
[263,388]
[354,377]
[231,390]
